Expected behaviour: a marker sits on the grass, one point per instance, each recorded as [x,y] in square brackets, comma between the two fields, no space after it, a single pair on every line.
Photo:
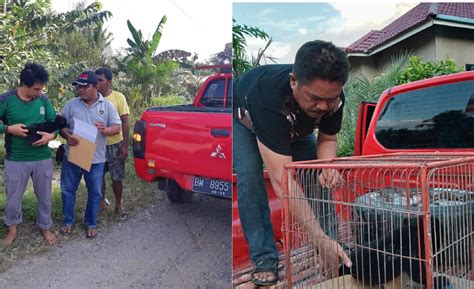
[29,243]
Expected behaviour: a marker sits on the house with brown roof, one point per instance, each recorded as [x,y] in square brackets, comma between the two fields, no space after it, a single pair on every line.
[432,31]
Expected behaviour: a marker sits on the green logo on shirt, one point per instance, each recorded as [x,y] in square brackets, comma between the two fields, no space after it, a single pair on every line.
[42,110]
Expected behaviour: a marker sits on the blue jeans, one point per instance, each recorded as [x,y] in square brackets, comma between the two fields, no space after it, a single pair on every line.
[70,179]
[252,196]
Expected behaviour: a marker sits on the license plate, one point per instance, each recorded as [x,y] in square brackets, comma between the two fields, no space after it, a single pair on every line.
[212,187]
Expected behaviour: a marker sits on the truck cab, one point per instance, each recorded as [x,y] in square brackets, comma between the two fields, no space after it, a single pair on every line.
[435,114]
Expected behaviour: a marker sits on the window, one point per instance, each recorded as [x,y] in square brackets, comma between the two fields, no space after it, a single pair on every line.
[214,94]
[435,117]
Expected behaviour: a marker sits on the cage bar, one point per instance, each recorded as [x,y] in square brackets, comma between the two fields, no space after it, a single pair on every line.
[405,220]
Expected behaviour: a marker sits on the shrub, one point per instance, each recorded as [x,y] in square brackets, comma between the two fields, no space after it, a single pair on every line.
[416,69]
[166,100]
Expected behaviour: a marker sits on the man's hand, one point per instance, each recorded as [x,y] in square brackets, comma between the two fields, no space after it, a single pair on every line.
[329,178]
[123,151]
[18,129]
[101,127]
[45,138]
[330,254]
[72,141]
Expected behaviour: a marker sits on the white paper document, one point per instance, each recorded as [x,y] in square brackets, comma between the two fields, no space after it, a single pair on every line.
[85,130]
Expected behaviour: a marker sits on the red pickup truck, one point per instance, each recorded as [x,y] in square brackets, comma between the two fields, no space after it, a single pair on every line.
[430,115]
[188,148]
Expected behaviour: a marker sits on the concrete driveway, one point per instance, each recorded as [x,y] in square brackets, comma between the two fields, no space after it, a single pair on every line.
[164,245]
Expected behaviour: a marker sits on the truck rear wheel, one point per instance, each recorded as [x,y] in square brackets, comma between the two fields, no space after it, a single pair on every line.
[176,194]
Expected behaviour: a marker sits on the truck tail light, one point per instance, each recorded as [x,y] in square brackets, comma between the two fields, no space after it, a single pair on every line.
[139,138]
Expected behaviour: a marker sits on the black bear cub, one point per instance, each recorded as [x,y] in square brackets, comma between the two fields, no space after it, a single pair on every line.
[49,126]
[382,260]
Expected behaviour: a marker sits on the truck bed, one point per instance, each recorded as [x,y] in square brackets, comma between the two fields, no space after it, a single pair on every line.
[189,108]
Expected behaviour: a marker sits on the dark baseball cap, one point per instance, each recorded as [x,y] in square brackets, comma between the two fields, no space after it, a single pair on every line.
[87,77]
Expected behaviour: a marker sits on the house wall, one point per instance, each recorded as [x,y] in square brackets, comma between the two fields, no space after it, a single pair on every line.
[431,44]
[363,65]
[421,44]
[457,43]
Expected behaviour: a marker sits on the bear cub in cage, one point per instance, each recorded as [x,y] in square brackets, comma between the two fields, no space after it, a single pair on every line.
[382,260]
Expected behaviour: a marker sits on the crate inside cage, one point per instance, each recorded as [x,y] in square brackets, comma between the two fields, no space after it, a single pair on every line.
[403,220]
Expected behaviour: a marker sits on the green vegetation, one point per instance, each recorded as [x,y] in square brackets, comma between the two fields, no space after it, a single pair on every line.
[70,42]
[241,62]
[145,77]
[32,31]
[416,69]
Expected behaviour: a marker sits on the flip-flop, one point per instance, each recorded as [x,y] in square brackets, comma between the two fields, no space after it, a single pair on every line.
[63,232]
[121,214]
[90,234]
[265,266]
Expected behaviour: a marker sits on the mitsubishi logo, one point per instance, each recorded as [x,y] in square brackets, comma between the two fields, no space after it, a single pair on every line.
[218,153]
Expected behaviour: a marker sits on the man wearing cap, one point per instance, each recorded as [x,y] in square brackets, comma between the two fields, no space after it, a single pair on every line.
[19,108]
[90,107]
[117,145]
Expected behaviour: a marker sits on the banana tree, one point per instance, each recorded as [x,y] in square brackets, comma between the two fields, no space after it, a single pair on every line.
[147,78]
[141,48]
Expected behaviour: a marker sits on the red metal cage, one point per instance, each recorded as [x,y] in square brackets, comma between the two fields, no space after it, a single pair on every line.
[404,220]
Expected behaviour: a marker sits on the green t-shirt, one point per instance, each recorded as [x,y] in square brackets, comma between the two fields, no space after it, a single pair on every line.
[14,110]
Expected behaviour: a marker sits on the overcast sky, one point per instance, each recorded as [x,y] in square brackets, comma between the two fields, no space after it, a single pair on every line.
[292,24]
[205,26]
[202,26]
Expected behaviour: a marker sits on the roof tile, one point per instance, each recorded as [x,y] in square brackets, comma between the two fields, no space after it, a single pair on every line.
[419,14]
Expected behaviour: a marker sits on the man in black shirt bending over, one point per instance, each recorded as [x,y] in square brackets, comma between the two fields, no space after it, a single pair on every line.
[276,110]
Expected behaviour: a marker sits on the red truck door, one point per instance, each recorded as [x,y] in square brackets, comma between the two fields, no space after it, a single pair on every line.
[366,110]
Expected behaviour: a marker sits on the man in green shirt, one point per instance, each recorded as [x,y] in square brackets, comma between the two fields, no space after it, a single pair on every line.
[20,108]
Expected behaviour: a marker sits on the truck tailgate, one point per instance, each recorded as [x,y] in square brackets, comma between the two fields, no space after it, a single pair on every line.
[192,143]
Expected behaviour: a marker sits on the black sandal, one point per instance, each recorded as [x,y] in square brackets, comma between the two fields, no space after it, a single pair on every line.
[268,265]
[91,232]
[65,230]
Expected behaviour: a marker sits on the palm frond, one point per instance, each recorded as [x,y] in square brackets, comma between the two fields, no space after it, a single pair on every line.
[359,88]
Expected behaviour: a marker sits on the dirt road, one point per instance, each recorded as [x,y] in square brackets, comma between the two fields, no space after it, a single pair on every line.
[165,245]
